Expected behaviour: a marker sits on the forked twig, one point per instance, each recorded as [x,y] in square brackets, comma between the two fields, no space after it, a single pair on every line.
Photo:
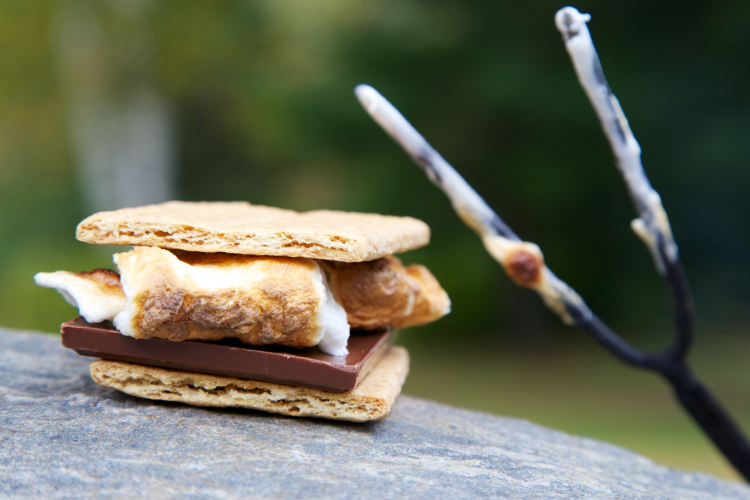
[524,263]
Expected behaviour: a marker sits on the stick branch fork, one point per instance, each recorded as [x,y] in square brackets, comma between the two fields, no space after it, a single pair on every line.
[524,263]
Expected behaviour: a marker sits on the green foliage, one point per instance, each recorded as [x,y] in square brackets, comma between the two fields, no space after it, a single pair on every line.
[262,98]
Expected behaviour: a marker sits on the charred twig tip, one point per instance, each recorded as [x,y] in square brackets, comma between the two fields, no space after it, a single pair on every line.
[367,97]
[569,22]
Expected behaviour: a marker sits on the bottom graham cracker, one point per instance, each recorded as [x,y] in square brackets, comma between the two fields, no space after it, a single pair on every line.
[372,399]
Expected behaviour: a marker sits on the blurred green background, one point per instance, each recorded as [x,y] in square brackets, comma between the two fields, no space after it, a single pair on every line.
[123,102]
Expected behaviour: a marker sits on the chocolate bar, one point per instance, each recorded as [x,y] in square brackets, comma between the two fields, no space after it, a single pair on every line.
[308,367]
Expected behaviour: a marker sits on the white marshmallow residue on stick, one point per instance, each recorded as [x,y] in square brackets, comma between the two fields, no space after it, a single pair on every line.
[652,226]
[522,261]
[472,209]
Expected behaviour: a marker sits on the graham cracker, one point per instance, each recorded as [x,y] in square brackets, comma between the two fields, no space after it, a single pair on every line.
[372,399]
[242,228]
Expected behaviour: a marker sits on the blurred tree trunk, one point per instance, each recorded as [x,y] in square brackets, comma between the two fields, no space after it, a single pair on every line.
[121,127]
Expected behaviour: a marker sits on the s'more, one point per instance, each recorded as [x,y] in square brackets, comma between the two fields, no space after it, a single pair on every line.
[229,304]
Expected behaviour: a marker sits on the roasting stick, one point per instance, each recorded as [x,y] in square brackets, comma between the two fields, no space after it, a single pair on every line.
[524,263]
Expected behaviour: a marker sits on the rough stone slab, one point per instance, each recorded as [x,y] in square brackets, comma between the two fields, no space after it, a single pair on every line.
[62,436]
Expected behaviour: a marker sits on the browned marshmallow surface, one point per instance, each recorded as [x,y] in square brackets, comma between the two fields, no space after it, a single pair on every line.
[384,293]
[260,300]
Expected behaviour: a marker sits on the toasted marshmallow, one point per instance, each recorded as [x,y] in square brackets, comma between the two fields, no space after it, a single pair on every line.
[382,293]
[180,295]
[97,294]
[200,296]
[194,296]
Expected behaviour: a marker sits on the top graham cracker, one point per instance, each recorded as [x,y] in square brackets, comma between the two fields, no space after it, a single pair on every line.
[241,228]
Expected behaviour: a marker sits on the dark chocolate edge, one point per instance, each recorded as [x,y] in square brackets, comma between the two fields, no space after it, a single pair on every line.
[349,374]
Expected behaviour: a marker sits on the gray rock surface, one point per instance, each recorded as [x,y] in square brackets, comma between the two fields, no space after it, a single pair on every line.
[62,436]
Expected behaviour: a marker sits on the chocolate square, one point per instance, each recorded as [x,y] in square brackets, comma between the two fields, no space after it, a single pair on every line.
[308,367]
